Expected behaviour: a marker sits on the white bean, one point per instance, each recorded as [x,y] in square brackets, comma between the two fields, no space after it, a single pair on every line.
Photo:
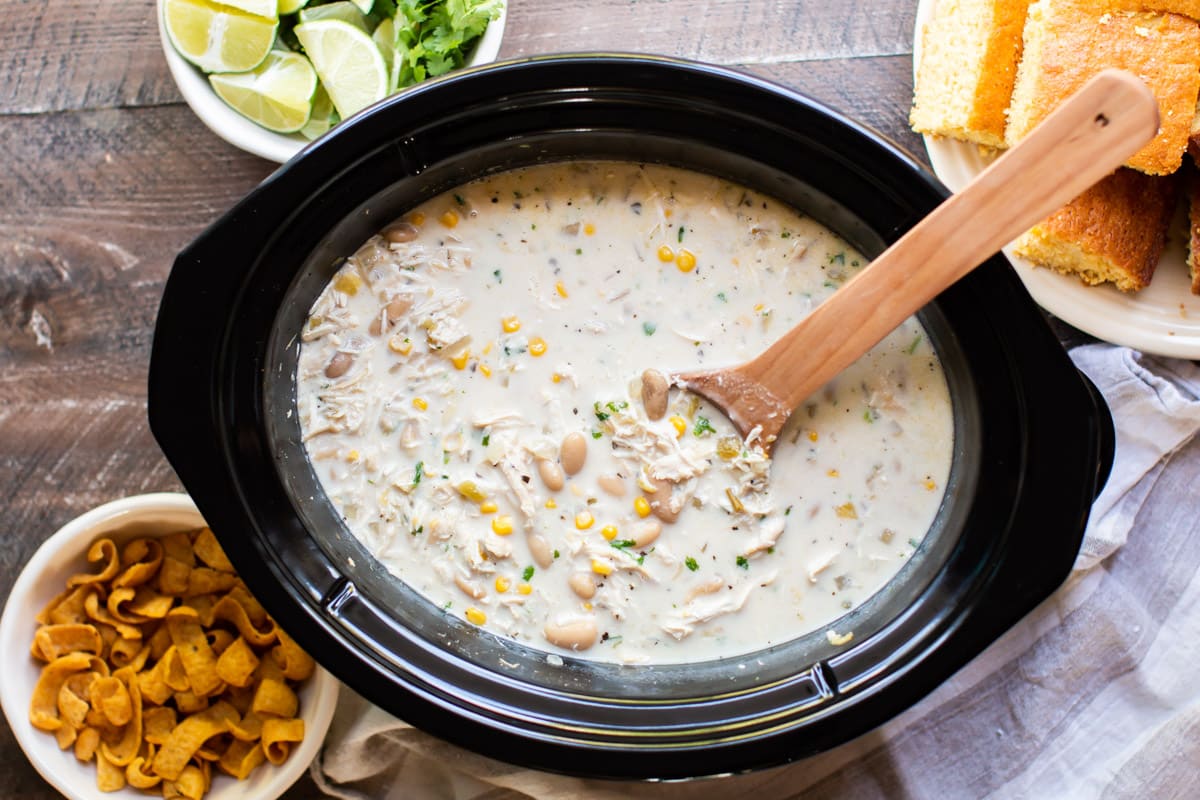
[663,502]
[583,584]
[646,533]
[576,634]
[540,549]
[654,393]
[573,452]
[551,473]
[613,484]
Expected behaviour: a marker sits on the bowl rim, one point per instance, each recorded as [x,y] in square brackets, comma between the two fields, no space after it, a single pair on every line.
[247,135]
[17,624]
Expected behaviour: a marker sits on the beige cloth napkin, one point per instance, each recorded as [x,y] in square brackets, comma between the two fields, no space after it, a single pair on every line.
[1095,694]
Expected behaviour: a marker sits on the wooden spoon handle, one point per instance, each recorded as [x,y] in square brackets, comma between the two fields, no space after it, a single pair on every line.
[1086,138]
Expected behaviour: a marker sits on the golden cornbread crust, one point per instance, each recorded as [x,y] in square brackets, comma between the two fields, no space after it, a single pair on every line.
[1067,42]
[1113,232]
[969,55]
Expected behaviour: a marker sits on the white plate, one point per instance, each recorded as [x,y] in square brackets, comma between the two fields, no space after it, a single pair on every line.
[253,138]
[1163,318]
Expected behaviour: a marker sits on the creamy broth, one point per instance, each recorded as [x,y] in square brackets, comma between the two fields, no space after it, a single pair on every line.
[458,364]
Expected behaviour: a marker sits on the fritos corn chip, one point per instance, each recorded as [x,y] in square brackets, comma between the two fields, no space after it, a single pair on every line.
[161,664]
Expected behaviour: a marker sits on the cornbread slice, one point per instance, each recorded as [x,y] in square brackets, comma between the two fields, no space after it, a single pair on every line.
[1193,183]
[1068,41]
[1187,8]
[1113,232]
[969,55]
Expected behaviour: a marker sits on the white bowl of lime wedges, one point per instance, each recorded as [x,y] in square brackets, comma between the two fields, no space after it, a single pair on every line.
[269,76]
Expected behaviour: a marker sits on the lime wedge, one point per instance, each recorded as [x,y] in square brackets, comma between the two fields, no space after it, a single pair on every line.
[343,10]
[259,8]
[384,38]
[277,94]
[364,6]
[349,64]
[323,115]
[218,38]
[291,6]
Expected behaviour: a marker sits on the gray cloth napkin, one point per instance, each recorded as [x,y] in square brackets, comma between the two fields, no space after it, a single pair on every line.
[1093,694]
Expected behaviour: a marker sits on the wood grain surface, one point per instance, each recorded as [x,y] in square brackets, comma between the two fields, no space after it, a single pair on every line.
[106,174]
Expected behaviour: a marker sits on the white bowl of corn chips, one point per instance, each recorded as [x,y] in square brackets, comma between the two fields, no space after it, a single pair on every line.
[140,666]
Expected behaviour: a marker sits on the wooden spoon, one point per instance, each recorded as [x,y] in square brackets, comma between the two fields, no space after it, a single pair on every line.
[1090,134]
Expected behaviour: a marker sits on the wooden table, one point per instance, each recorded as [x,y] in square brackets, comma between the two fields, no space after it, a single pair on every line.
[106,174]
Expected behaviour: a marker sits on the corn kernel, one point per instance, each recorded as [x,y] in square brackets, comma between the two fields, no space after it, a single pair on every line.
[502,584]
[348,283]
[562,290]
[930,485]
[352,456]
[475,616]
[584,520]
[609,532]
[847,511]
[510,324]
[666,254]
[469,490]
[833,473]
[812,436]
[460,361]
[502,525]
[488,507]
[667,212]
[537,346]
[758,307]
[417,218]
[486,370]
[550,503]
[587,606]
[524,588]
[399,345]
[680,425]
[728,447]
[601,567]
[686,261]
[449,219]
[589,229]
[420,403]
[642,506]
[487,348]
[556,378]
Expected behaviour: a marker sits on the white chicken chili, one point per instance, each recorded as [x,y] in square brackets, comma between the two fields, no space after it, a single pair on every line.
[482,393]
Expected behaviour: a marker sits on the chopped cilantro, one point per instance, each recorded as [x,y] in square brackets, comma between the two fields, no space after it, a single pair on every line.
[691,564]
[578,251]
[458,198]
[527,574]
[912,348]
[432,38]
[649,328]
[418,472]
[600,413]
[702,426]
[556,554]
[620,544]
[498,276]
[680,237]
[838,258]
[417,531]
[721,296]
[597,434]
[487,437]
[914,543]
[743,562]
[785,235]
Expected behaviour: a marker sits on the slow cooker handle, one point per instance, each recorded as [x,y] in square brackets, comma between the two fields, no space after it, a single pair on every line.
[1106,437]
